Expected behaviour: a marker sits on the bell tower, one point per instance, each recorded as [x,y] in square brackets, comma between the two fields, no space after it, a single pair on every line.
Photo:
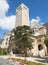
[22,16]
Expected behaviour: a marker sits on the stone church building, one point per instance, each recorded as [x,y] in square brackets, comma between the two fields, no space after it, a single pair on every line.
[22,18]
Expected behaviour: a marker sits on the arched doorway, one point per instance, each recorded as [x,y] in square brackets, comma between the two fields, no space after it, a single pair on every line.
[40,47]
[41,51]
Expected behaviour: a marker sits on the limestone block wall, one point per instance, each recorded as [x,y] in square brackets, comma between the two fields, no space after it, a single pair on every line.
[25,17]
[22,16]
[5,42]
[43,49]
[42,31]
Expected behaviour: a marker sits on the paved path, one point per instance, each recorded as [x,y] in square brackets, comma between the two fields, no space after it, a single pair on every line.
[38,60]
[6,62]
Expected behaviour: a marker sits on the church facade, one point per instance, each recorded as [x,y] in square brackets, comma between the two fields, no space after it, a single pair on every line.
[22,18]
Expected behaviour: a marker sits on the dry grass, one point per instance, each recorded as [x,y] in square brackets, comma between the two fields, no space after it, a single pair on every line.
[25,62]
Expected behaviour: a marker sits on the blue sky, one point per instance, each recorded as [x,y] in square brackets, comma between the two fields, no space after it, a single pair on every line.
[38,9]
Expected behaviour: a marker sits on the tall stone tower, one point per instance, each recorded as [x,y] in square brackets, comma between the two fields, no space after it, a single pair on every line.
[22,16]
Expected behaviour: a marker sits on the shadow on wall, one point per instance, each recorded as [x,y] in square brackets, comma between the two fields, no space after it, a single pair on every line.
[43,60]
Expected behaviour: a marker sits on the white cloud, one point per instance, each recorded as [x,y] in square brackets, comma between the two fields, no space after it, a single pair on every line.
[3,8]
[35,23]
[6,22]
[37,19]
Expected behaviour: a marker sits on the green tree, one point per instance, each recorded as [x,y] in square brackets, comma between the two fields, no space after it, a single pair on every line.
[46,42]
[12,45]
[23,39]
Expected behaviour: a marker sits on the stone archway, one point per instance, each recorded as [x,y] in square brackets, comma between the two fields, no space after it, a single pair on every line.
[40,47]
[41,50]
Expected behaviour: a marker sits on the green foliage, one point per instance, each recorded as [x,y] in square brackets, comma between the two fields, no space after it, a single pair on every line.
[46,41]
[23,40]
[22,30]
[3,51]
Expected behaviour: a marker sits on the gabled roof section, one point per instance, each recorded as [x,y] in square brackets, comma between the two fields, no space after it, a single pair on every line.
[36,24]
